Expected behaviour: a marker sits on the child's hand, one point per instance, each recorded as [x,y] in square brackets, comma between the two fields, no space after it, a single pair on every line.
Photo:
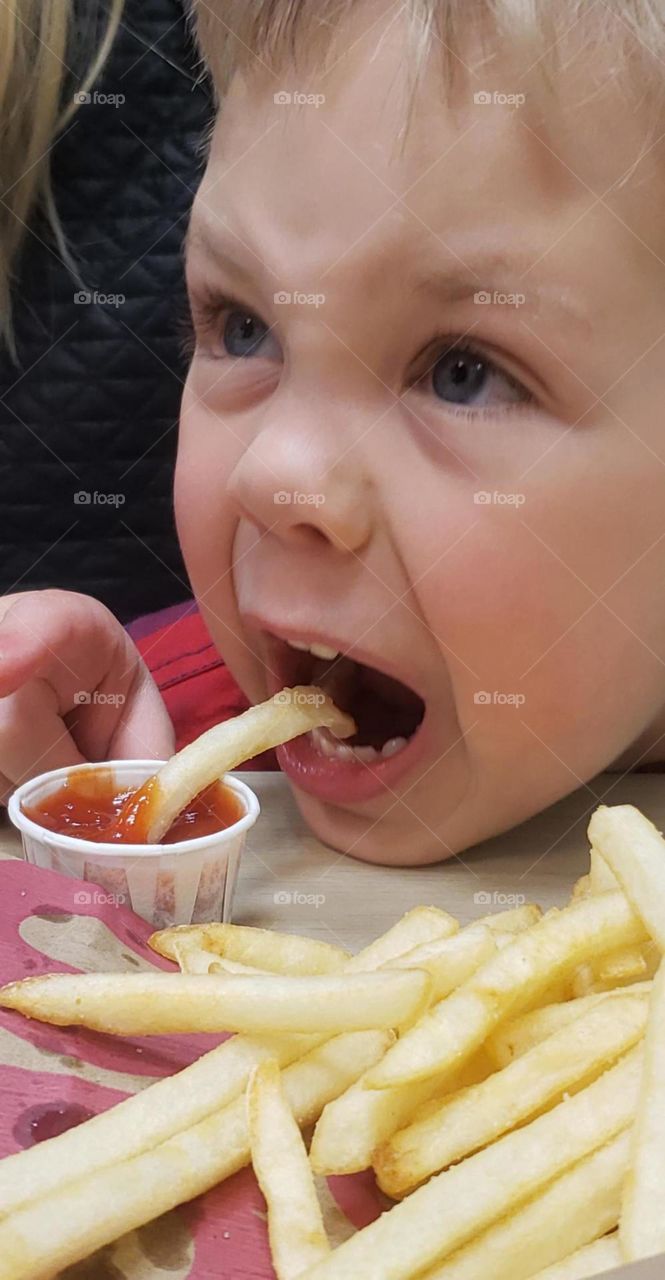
[73,687]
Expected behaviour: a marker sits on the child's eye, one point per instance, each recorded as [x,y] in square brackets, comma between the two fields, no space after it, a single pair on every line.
[244,335]
[465,376]
[225,327]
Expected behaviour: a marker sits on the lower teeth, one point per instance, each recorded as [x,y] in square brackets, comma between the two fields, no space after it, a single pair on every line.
[333,749]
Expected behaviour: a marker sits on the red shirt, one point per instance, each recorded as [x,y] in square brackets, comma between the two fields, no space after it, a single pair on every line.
[196,685]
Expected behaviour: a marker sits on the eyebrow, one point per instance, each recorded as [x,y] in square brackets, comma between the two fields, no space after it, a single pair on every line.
[221,246]
[495,272]
[499,273]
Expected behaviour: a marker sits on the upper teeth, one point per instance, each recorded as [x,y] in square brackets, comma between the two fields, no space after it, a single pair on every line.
[318,650]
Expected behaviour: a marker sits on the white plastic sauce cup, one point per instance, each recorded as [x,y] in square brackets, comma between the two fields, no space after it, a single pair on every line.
[192,881]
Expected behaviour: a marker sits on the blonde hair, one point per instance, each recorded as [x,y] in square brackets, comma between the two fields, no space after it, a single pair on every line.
[235,34]
[37,41]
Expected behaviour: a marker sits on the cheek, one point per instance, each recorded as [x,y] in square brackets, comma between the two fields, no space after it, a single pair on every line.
[512,618]
[207,523]
[204,513]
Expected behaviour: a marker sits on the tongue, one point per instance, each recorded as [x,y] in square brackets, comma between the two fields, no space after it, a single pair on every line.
[382,707]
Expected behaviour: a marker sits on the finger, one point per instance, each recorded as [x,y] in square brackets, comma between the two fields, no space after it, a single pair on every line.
[33,738]
[70,641]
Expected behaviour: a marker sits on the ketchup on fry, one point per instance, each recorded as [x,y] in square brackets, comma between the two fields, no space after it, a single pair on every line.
[88,803]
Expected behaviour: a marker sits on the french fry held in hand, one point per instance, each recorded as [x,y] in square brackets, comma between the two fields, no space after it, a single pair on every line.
[148,813]
[163,1003]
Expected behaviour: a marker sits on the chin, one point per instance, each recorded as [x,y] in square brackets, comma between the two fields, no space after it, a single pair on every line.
[367,839]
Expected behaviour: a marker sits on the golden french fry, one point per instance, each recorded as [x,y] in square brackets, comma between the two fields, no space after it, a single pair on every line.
[415,928]
[354,1125]
[622,968]
[219,964]
[144,1120]
[581,889]
[618,968]
[452,1207]
[163,1003]
[194,959]
[181,1101]
[642,1227]
[635,852]
[69,1223]
[629,965]
[450,961]
[521,1034]
[590,1260]
[286,715]
[574,1209]
[516,920]
[601,877]
[258,948]
[295,1224]
[463,1122]
[514,978]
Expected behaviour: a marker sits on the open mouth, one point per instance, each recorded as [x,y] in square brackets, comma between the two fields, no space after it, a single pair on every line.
[387,712]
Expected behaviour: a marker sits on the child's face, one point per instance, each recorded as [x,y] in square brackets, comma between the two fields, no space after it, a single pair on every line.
[485,525]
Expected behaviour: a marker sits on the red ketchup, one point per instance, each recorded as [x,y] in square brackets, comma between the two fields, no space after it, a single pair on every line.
[88,803]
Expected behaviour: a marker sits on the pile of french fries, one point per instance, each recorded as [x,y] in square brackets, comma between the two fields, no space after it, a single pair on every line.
[506,1082]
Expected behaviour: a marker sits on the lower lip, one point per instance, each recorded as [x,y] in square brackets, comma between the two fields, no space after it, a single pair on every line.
[345,781]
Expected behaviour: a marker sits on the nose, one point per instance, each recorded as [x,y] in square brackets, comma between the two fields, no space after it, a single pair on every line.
[303,479]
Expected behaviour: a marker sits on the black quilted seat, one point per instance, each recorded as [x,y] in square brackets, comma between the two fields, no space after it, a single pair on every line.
[88,416]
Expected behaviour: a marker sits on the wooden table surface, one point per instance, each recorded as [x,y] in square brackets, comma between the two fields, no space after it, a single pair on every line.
[289,880]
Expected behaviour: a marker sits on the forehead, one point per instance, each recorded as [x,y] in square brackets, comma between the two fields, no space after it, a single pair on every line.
[357,165]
